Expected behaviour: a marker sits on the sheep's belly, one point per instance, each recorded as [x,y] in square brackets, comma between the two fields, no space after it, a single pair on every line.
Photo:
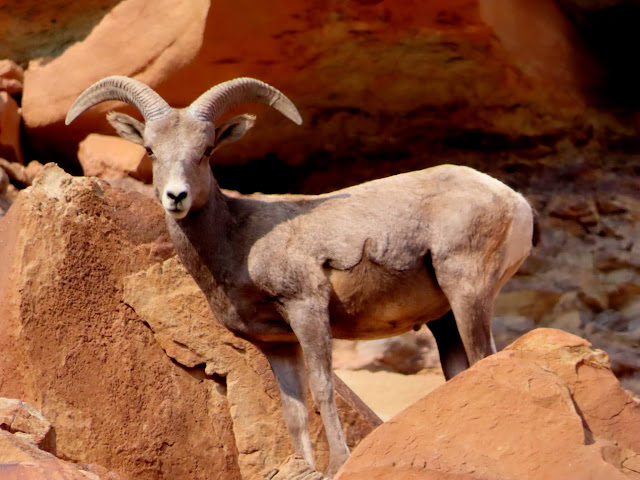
[369,302]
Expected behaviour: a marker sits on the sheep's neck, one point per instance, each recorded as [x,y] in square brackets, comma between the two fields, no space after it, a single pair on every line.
[202,241]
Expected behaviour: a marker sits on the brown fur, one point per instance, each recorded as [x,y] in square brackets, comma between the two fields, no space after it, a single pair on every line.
[369,301]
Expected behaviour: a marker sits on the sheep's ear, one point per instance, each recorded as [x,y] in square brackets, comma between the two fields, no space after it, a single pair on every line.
[127,127]
[233,130]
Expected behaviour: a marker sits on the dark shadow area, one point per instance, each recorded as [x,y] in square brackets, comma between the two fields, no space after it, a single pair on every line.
[198,372]
[610,29]
[266,175]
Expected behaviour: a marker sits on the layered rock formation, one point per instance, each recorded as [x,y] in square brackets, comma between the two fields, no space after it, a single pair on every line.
[75,350]
[583,277]
[548,406]
[380,78]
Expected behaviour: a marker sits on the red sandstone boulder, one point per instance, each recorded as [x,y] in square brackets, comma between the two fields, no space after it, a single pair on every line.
[74,351]
[10,147]
[109,157]
[547,407]
[73,348]
[366,75]
[135,38]
[11,77]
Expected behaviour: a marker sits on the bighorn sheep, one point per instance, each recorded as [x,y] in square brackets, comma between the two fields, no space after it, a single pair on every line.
[289,272]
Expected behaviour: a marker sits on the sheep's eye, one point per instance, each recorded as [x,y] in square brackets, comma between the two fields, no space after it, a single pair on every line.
[149,151]
[208,151]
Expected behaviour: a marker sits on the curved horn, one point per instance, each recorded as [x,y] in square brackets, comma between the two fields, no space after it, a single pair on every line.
[215,101]
[149,103]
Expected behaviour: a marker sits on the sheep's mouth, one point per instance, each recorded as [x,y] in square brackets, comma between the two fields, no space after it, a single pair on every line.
[177,213]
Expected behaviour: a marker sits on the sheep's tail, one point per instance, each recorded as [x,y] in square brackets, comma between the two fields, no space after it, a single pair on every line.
[535,236]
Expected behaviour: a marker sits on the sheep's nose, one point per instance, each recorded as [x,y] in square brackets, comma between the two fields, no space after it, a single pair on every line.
[177,197]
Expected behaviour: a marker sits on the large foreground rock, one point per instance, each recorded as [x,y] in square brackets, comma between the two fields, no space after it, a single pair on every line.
[72,348]
[546,407]
[74,351]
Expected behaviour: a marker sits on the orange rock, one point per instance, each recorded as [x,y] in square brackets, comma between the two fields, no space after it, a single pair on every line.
[23,420]
[107,157]
[10,119]
[172,37]
[365,74]
[547,407]
[72,348]
[11,77]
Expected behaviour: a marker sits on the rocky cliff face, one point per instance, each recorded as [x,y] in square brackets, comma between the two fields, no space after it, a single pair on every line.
[384,79]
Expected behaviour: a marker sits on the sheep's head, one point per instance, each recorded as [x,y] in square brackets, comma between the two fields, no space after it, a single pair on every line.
[180,141]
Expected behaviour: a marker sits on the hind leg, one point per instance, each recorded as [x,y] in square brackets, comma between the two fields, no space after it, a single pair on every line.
[473,318]
[473,315]
[470,288]
[453,357]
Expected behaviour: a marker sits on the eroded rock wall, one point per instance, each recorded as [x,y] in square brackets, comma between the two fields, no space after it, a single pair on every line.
[370,78]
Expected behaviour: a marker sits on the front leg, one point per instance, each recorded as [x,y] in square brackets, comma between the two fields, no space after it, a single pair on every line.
[309,320]
[288,367]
